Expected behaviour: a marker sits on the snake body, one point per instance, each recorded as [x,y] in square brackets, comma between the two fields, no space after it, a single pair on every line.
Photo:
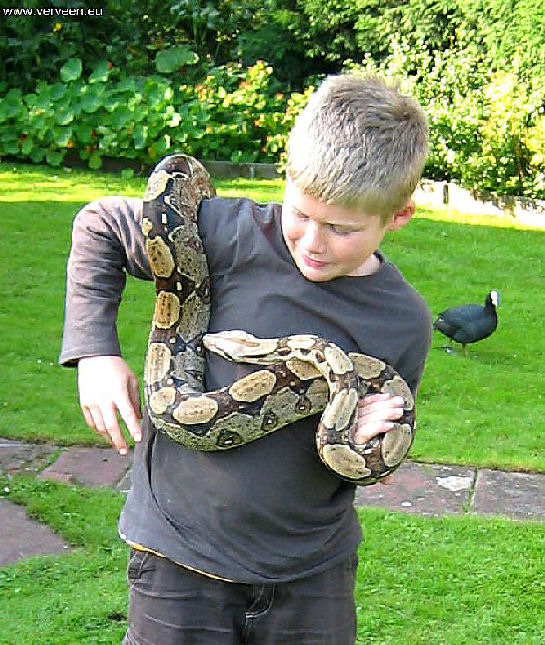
[301,375]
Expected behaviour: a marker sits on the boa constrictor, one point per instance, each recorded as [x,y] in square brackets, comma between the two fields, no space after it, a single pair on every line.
[301,374]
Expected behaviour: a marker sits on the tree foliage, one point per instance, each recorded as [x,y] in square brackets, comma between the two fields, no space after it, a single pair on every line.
[477,67]
[299,38]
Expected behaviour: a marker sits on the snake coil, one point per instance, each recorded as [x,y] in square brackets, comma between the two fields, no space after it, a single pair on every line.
[301,374]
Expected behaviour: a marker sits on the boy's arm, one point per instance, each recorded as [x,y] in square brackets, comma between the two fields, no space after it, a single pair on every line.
[107,242]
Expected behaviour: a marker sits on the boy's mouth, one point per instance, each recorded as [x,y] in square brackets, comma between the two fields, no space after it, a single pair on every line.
[314,264]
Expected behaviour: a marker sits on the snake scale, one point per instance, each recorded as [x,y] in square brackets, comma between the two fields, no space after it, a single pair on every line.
[300,375]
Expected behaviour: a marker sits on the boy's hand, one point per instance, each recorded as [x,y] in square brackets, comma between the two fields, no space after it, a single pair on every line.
[107,386]
[376,413]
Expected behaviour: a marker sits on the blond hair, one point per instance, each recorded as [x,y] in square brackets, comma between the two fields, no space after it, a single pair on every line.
[360,144]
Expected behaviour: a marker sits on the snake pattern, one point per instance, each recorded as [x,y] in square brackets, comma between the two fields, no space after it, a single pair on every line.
[300,375]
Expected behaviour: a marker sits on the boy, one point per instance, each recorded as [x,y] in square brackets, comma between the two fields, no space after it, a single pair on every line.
[258,544]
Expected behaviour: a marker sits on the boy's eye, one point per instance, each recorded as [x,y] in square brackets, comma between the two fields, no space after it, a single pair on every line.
[339,230]
[300,215]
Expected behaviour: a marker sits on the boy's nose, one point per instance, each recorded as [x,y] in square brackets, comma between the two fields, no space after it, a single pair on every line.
[313,239]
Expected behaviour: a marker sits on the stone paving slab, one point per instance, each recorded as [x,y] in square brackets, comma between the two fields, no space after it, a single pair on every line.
[21,537]
[18,457]
[124,484]
[426,489]
[516,495]
[92,467]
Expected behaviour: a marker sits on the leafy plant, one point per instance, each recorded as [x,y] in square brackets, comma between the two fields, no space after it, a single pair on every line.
[236,113]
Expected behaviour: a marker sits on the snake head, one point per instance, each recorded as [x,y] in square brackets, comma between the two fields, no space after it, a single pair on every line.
[241,347]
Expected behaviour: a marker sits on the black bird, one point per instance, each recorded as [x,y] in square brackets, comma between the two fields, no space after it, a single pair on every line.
[469,323]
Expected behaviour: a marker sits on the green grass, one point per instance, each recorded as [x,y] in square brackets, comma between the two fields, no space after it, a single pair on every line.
[450,581]
[38,399]
[447,581]
[76,598]
[485,409]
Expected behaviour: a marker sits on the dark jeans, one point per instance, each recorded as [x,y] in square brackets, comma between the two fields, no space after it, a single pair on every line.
[171,605]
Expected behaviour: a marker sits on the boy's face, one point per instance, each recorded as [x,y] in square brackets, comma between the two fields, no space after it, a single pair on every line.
[328,241]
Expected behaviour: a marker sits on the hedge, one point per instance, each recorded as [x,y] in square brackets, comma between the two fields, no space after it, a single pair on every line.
[487,127]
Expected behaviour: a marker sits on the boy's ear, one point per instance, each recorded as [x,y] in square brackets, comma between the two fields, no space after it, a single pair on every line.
[402,216]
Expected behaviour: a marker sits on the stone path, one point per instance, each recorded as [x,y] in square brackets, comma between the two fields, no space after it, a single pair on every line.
[425,489]
[434,490]
[22,537]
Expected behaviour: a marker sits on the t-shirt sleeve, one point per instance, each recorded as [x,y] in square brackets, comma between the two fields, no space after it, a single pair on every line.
[107,243]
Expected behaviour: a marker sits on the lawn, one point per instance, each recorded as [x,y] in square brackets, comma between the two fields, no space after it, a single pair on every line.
[447,581]
[485,409]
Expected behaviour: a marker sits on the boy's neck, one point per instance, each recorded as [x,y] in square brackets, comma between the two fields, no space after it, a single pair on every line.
[370,266]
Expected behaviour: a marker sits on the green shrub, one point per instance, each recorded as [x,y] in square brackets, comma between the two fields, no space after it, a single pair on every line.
[490,139]
[248,117]
[235,113]
[487,127]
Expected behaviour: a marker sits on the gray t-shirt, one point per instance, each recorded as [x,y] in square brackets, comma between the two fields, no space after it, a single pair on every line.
[268,511]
